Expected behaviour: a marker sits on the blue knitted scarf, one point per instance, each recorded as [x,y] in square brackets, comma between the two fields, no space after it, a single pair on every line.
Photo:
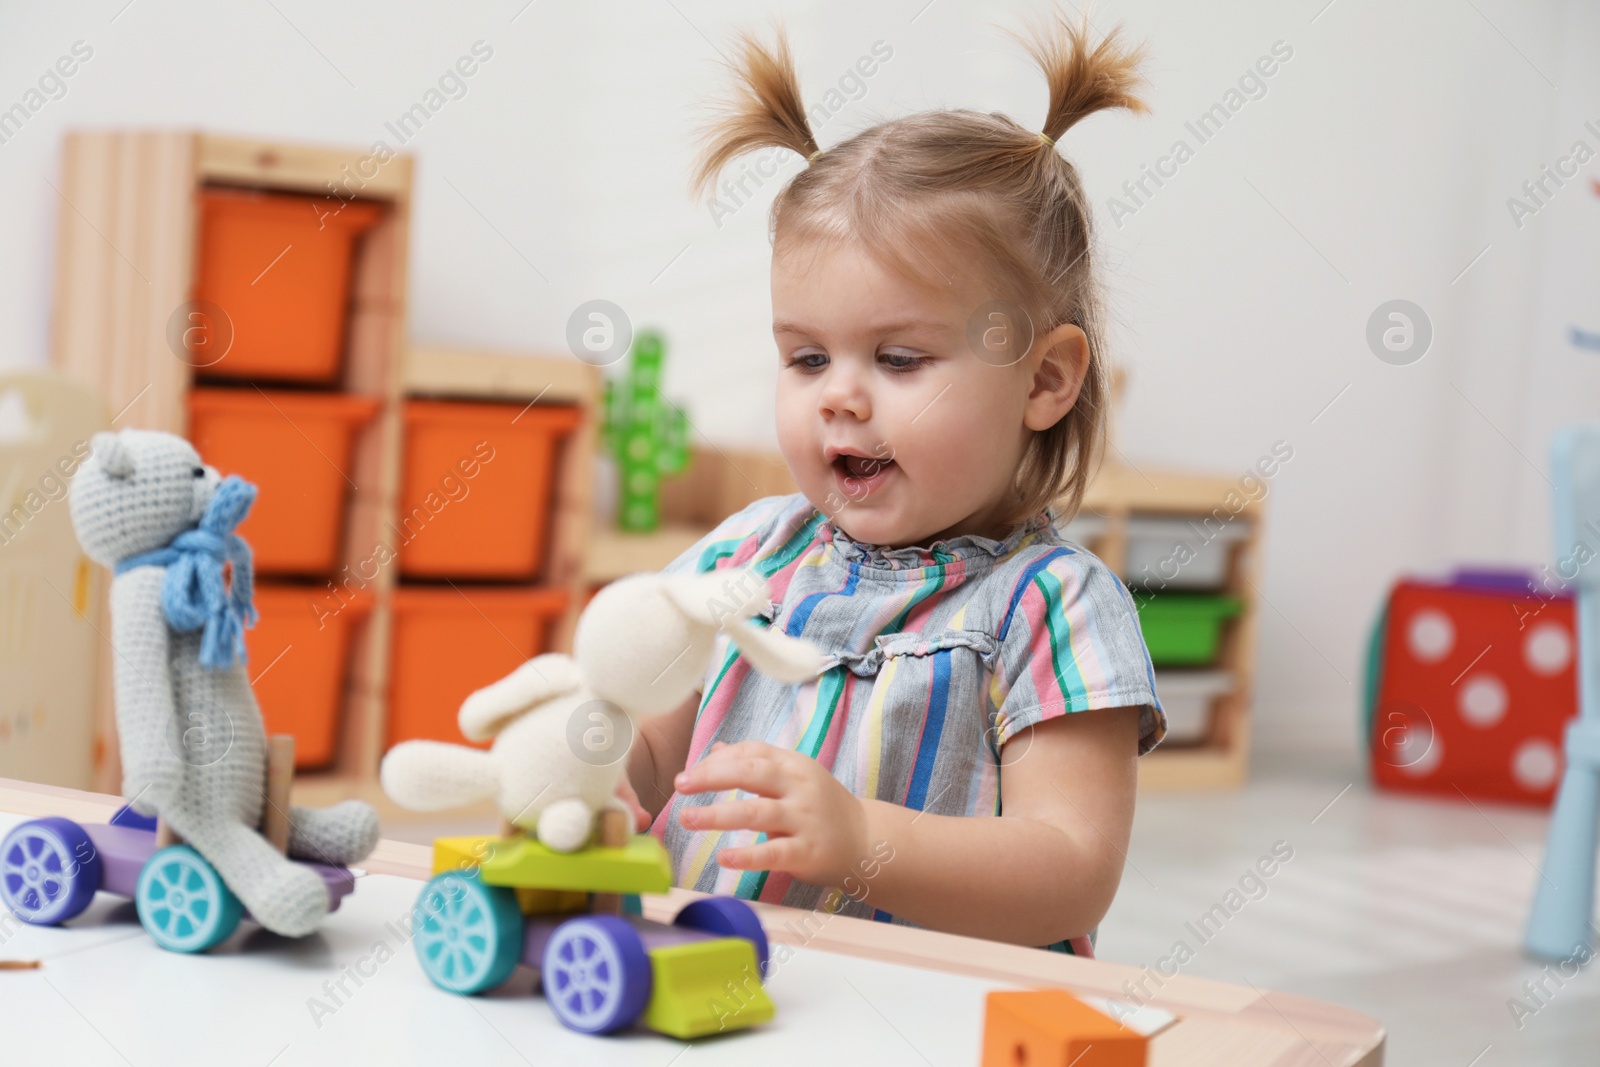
[194,593]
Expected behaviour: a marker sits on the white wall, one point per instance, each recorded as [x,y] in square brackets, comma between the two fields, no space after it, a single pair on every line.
[1376,166]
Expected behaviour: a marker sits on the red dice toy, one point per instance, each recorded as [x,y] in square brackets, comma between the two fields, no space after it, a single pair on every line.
[1470,685]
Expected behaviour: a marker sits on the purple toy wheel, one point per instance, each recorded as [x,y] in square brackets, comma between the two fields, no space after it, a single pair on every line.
[49,870]
[727,917]
[596,974]
[126,816]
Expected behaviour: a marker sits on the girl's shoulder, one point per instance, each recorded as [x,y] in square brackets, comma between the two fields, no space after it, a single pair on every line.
[1044,573]
[762,529]
[1070,639]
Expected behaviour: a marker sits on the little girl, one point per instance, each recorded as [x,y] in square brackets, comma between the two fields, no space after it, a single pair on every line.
[966,760]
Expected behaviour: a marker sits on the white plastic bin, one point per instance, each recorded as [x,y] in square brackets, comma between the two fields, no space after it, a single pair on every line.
[1186,697]
[1181,553]
[1085,529]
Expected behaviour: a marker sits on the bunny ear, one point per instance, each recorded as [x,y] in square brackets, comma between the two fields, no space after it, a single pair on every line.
[776,654]
[434,776]
[484,713]
[718,598]
[113,454]
[726,600]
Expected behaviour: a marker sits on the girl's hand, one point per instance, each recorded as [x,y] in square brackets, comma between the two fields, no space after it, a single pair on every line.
[816,828]
[626,794]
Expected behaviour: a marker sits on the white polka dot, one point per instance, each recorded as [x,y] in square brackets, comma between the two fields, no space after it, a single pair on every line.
[1548,648]
[1535,765]
[1421,755]
[1408,741]
[1431,635]
[1482,701]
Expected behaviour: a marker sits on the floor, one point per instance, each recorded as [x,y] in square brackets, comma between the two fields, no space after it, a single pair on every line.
[1411,911]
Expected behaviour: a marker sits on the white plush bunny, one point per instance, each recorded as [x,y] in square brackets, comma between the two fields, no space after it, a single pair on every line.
[562,724]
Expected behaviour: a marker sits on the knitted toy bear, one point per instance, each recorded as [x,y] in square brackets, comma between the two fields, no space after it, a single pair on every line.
[193,742]
[562,724]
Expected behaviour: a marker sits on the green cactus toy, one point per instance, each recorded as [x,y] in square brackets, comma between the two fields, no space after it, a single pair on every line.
[648,435]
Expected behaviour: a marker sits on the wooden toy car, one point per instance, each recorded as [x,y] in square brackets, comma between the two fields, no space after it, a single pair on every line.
[495,902]
[51,868]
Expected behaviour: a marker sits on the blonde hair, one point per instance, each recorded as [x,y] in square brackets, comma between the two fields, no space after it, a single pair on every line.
[978,186]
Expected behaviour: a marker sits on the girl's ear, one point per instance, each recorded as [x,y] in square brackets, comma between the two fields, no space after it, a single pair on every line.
[1058,378]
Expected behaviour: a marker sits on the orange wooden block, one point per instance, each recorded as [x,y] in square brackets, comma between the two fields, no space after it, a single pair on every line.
[1032,1028]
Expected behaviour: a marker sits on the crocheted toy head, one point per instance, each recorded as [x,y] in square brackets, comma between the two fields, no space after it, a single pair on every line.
[137,491]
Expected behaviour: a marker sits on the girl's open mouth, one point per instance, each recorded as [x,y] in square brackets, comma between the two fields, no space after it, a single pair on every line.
[858,475]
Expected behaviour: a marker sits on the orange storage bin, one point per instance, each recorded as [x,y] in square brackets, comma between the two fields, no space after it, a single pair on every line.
[280,267]
[299,650]
[476,488]
[296,447]
[448,642]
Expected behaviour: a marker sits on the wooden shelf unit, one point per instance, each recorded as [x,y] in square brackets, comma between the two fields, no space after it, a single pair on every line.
[717,483]
[128,239]
[445,372]
[1120,493]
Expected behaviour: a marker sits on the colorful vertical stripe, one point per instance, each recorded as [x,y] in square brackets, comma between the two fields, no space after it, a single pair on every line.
[938,655]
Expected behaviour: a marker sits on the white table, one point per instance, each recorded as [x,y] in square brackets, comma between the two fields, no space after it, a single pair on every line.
[853,992]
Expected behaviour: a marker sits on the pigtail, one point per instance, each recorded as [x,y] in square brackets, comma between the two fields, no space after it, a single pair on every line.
[1083,80]
[959,191]
[766,111]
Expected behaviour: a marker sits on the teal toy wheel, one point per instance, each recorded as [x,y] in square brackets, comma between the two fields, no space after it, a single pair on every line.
[183,901]
[468,935]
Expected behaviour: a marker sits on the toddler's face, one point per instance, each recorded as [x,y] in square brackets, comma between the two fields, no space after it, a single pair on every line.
[890,423]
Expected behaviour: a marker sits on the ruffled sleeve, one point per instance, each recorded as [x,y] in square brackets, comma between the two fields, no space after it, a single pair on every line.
[1070,641]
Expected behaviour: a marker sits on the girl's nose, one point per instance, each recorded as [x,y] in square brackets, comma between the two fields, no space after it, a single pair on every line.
[843,394]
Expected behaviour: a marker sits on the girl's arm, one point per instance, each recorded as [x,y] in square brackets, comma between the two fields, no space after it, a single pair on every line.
[1048,866]
[659,753]
[1046,869]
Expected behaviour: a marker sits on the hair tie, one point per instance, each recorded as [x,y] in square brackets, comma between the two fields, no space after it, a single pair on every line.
[1047,139]
[812,158]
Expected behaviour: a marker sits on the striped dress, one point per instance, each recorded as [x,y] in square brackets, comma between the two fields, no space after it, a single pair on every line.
[936,657]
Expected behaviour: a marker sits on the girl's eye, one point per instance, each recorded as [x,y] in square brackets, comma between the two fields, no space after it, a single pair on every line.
[903,361]
[808,361]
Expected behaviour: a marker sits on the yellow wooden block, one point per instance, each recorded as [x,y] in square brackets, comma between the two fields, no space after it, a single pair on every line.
[705,987]
[545,901]
[460,853]
[640,866]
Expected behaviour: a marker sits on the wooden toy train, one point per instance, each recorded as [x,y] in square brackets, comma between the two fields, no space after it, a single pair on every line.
[497,902]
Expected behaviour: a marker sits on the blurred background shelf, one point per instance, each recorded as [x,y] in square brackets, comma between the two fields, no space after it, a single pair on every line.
[133,335]
[122,332]
[141,338]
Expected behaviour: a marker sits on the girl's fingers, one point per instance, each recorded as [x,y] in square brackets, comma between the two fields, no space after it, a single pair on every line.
[641,817]
[753,774]
[776,854]
[759,813]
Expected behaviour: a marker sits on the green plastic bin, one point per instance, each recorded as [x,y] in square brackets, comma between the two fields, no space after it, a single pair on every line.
[1184,630]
